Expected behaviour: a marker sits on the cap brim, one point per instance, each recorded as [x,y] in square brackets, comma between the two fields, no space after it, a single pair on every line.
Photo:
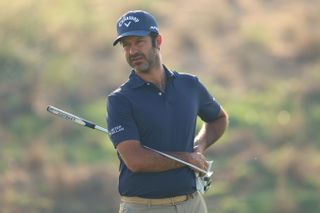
[131,33]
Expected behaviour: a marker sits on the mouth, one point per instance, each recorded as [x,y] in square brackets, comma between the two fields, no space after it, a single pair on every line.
[136,59]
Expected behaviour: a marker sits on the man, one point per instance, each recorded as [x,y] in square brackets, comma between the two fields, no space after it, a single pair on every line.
[158,108]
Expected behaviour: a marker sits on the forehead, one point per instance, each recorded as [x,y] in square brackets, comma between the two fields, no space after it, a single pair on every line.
[133,38]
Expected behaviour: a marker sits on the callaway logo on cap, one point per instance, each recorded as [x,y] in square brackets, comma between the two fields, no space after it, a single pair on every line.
[136,23]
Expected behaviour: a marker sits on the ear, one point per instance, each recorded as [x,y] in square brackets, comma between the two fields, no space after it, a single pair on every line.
[158,41]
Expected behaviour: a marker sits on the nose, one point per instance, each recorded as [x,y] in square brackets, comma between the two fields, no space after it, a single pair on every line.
[133,50]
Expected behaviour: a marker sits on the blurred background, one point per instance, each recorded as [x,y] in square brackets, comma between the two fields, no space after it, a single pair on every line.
[259,58]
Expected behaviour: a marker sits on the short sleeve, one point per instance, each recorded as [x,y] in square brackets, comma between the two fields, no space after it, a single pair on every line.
[209,108]
[120,122]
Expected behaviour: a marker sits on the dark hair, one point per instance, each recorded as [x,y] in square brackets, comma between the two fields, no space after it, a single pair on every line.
[153,36]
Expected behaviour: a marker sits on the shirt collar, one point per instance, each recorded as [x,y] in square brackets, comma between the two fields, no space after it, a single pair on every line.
[135,81]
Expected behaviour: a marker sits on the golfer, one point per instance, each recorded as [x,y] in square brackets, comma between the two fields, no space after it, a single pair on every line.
[158,107]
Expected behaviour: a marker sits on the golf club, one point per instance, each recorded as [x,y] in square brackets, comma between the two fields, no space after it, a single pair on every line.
[84,122]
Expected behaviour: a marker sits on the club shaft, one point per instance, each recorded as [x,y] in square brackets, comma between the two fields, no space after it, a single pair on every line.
[178,160]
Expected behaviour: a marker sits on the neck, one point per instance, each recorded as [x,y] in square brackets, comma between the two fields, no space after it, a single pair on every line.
[156,75]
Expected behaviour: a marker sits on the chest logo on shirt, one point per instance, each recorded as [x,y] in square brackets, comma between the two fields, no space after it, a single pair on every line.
[116,129]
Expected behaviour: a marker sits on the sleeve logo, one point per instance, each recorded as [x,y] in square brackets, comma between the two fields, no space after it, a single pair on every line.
[116,129]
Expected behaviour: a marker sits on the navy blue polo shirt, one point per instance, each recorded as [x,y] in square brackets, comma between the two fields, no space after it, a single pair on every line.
[165,121]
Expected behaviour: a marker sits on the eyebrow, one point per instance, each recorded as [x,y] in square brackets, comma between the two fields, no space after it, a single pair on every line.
[138,38]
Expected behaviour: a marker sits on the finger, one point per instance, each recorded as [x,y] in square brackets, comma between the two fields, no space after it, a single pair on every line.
[201,174]
[206,164]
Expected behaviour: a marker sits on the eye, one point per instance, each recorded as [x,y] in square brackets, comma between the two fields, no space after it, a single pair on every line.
[139,41]
[124,44]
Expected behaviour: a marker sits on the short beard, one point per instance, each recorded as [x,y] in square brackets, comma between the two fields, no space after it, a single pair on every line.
[150,60]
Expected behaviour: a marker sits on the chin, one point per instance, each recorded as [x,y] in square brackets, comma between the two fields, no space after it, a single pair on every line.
[142,69]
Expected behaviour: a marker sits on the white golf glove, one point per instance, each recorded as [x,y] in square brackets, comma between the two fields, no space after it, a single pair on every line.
[203,183]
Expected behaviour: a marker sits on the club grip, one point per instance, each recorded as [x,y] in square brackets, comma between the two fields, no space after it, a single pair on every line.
[70,117]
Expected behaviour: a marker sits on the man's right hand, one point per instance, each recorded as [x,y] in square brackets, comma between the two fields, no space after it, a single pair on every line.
[199,160]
